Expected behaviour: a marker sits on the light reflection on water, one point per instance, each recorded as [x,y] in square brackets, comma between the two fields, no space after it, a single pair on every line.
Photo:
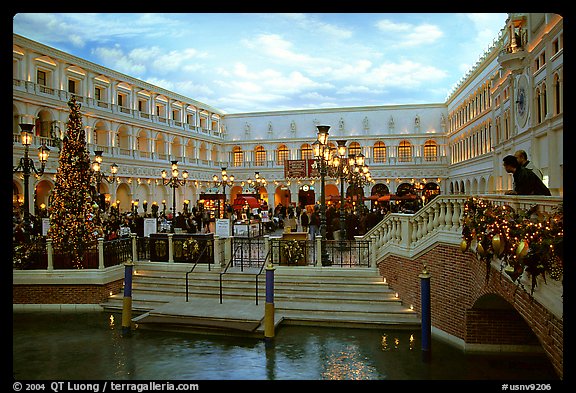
[90,346]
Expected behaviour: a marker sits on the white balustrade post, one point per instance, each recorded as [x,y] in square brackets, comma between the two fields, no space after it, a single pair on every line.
[50,254]
[372,250]
[448,222]
[456,216]
[217,251]
[100,253]
[442,217]
[134,248]
[170,248]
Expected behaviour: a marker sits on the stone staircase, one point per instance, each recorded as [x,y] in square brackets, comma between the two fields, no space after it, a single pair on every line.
[319,296]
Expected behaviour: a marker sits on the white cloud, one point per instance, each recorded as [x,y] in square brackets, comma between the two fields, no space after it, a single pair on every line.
[315,25]
[117,60]
[273,45]
[407,34]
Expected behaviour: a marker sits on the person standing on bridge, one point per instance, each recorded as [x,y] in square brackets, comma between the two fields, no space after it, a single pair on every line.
[526,182]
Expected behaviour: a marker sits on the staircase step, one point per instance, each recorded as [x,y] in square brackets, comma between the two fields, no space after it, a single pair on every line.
[302,294]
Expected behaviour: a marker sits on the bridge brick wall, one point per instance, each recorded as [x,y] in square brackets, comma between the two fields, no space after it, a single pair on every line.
[457,281]
[64,294]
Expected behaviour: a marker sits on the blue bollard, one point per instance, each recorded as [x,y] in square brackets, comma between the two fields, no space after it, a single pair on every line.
[269,306]
[425,314]
[127,301]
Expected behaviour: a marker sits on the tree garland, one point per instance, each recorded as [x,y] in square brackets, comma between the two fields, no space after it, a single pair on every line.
[292,251]
[190,248]
[524,240]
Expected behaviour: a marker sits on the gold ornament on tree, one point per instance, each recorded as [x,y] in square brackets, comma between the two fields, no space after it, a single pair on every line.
[498,245]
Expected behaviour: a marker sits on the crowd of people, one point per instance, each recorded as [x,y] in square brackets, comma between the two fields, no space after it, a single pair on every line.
[357,221]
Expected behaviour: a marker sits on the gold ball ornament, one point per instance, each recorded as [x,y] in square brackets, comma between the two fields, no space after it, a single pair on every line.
[464,245]
[522,249]
[497,245]
[480,249]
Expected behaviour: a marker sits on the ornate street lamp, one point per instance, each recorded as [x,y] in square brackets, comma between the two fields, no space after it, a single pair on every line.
[174,181]
[99,174]
[254,185]
[26,166]
[225,181]
[322,155]
[340,167]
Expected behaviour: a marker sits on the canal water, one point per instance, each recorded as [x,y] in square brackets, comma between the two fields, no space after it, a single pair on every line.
[89,346]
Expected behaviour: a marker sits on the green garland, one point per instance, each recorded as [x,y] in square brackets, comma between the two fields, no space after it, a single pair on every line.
[190,248]
[292,251]
[524,240]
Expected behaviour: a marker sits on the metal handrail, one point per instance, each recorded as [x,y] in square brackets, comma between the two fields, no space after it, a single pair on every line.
[223,272]
[193,267]
[260,272]
[256,275]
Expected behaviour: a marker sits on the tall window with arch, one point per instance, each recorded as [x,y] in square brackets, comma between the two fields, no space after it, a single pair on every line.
[430,150]
[379,152]
[405,151]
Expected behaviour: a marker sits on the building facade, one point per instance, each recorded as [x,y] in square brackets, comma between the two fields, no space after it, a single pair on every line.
[456,146]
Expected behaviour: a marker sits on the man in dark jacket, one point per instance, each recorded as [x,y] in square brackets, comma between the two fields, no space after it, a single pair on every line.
[526,182]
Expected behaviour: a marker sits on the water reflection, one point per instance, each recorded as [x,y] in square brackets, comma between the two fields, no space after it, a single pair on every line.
[56,346]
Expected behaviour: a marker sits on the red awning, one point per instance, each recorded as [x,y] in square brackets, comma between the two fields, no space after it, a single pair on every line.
[394,197]
[241,201]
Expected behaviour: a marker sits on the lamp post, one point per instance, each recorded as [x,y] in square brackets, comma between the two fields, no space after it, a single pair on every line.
[27,166]
[322,155]
[359,173]
[255,184]
[99,175]
[341,170]
[225,181]
[174,181]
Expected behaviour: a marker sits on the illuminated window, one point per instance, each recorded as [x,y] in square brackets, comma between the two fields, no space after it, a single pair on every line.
[379,152]
[430,151]
[238,156]
[354,149]
[404,151]
[306,152]
[282,154]
[259,155]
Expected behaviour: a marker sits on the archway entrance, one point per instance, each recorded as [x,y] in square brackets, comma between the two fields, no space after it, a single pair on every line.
[306,195]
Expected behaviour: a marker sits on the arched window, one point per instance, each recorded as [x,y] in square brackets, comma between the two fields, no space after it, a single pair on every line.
[354,149]
[259,155]
[282,154]
[237,156]
[379,152]
[430,150]
[538,106]
[404,151]
[306,152]
[557,95]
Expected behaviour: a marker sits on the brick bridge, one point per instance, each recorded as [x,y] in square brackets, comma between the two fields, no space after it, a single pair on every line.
[466,309]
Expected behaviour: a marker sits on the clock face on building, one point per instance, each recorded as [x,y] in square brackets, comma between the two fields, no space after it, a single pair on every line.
[522,100]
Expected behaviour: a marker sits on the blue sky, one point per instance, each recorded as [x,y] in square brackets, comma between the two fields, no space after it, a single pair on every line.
[271,61]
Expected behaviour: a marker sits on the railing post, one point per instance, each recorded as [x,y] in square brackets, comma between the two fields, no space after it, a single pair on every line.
[372,250]
[318,251]
[405,232]
[170,248]
[217,251]
[134,248]
[50,254]
[100,253]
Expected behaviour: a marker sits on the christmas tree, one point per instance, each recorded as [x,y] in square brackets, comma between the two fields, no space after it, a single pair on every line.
[71,219]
